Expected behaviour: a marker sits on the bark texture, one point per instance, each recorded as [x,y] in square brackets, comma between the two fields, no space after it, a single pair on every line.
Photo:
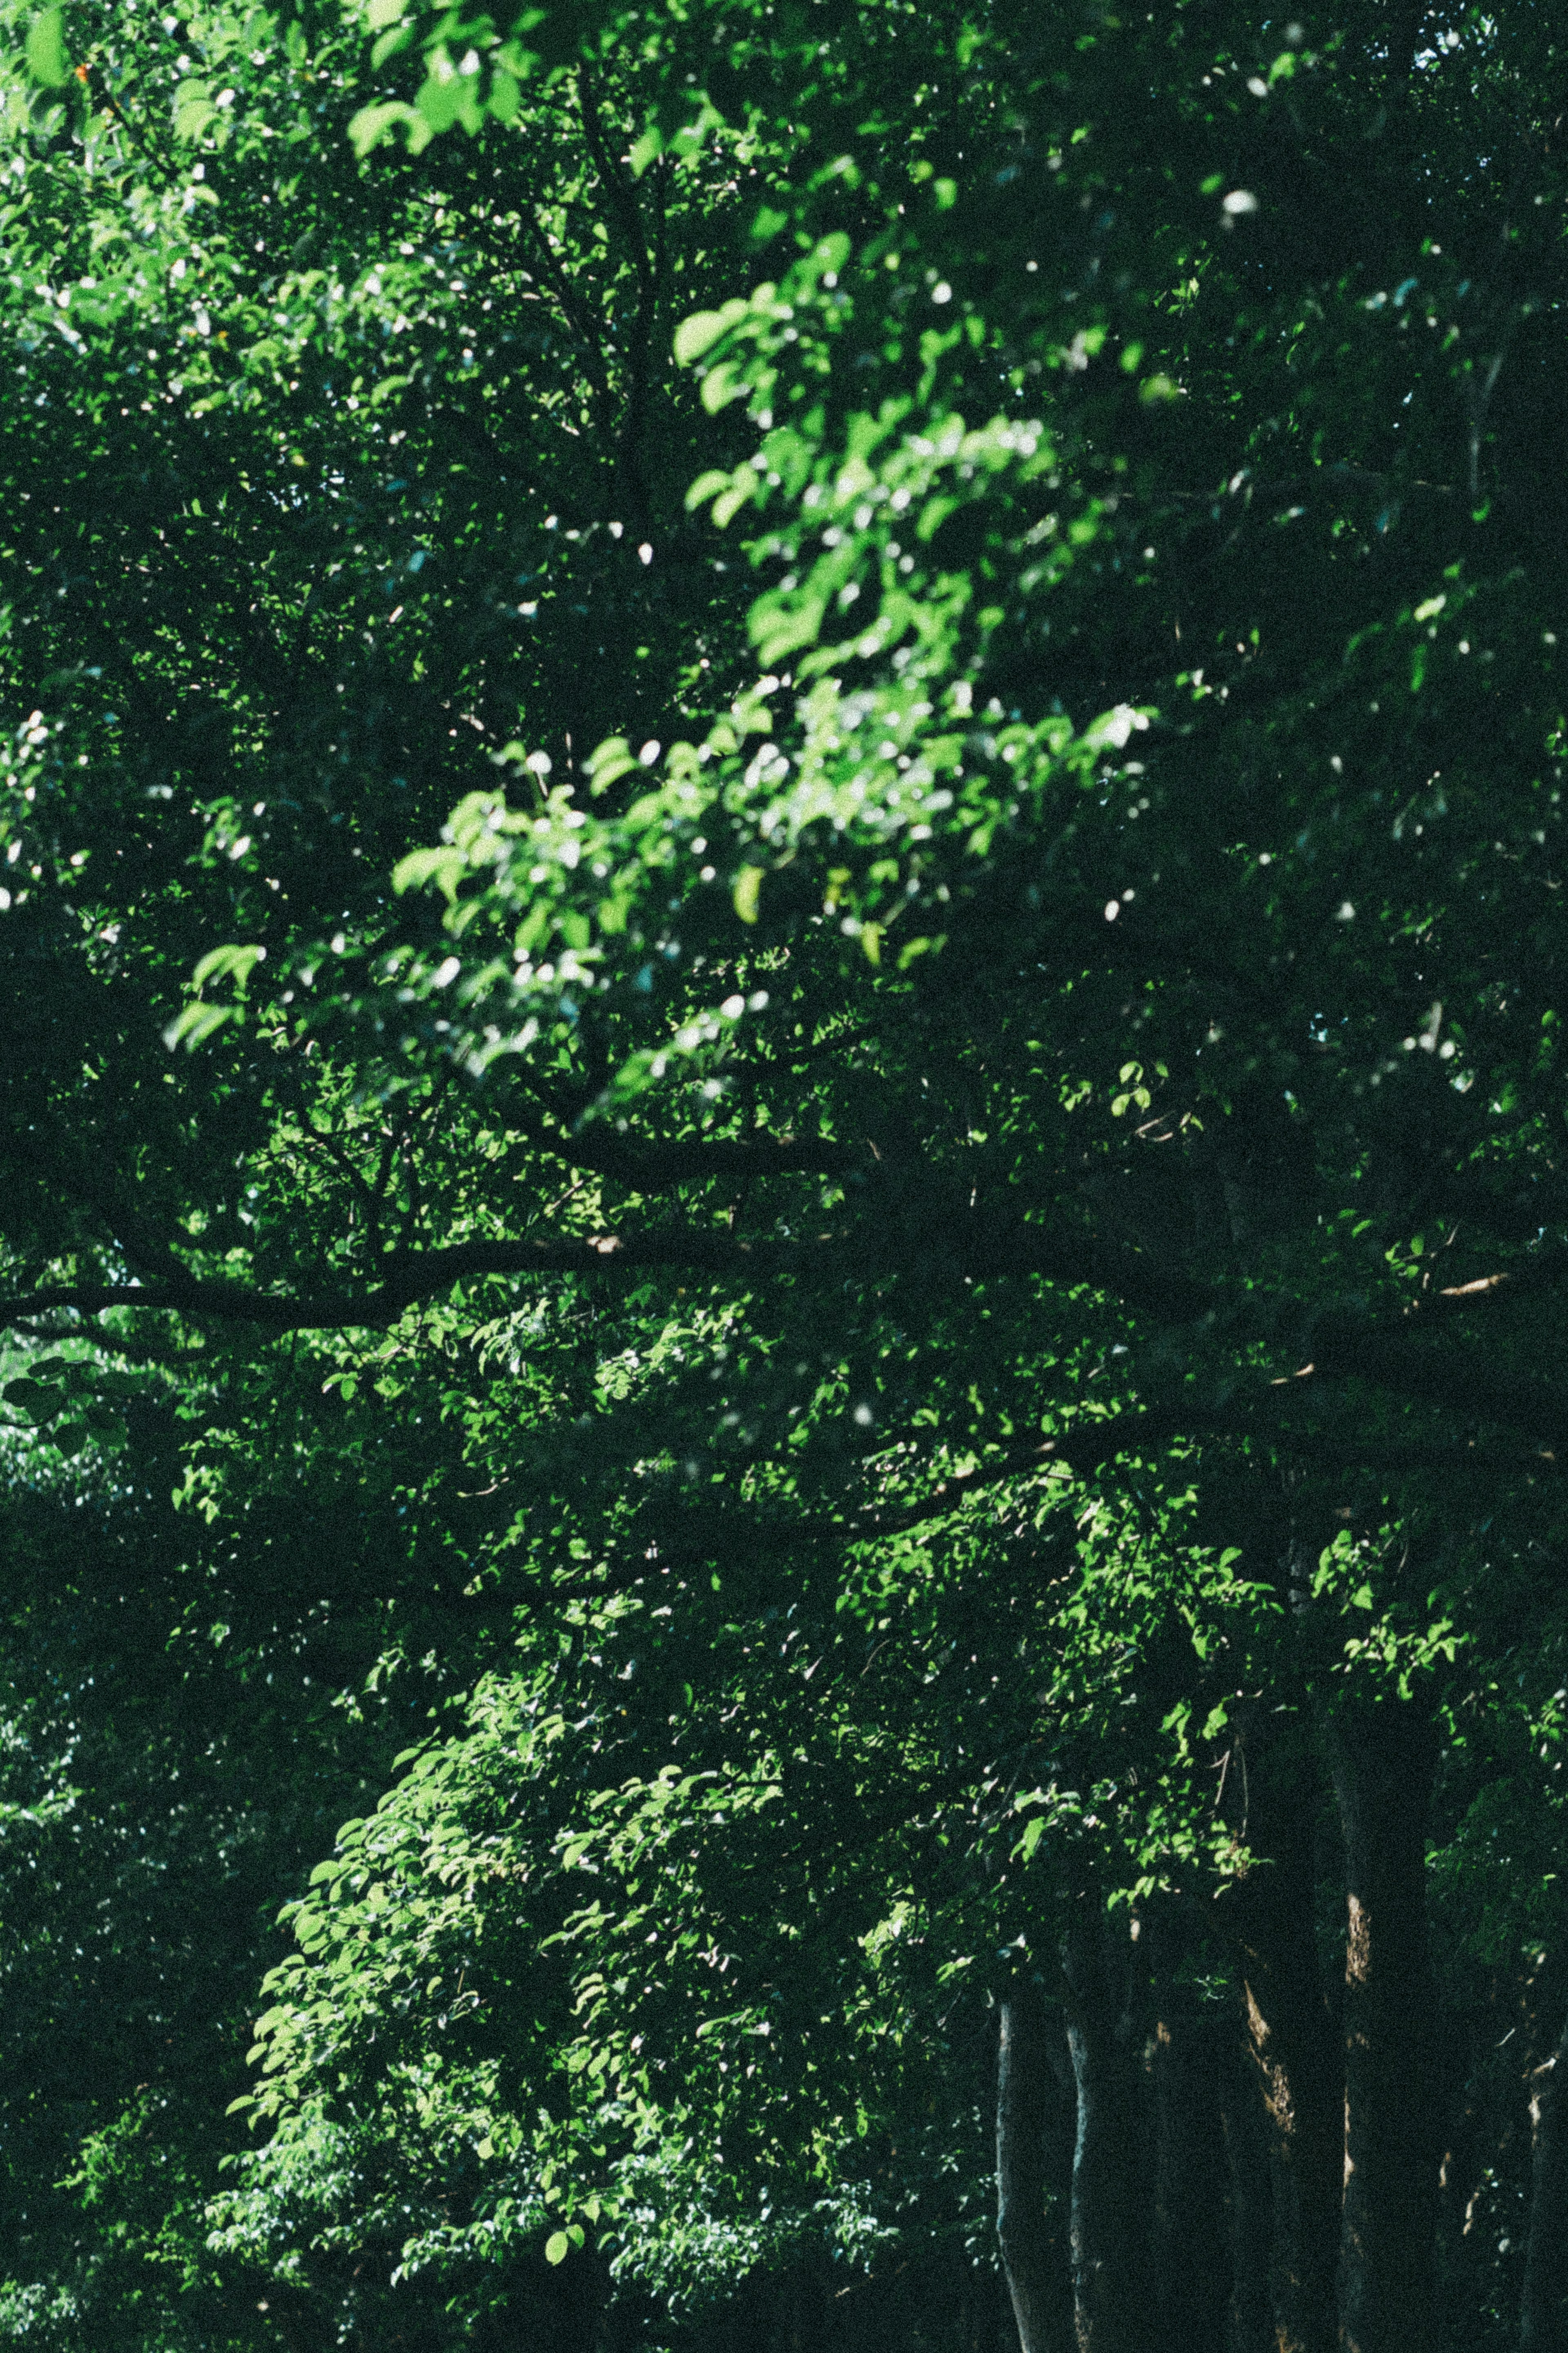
[1544,2304]
[1293,2037]
[1029,2098]
[1111,2160]
[1385,1756]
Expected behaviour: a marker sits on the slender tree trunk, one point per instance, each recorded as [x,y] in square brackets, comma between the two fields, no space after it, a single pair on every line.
[1191,2239]
[1028,2099]
[1294,2041]
[1020,2164]
[1251,2208]
[1384,1756]
[1543,2305]
[1111,2169]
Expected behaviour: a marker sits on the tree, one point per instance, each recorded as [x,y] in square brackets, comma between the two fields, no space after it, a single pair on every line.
[1077,1032]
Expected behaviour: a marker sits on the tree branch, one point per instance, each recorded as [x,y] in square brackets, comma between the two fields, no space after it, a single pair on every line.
[940,1245]
[1084,1450]
[622,202]
[650,1162]
[937,1244]
[143,1248]
[1095,1443]
[1343,1348]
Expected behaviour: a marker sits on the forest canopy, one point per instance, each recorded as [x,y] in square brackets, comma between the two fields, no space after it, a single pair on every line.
[782,1169]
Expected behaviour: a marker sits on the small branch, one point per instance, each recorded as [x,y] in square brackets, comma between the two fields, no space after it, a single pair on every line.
[341,1161]
[624,203]
[1093,1444]
[1084,1450]
[649,1163]
[149,154]
[1338,475]
[133,1351]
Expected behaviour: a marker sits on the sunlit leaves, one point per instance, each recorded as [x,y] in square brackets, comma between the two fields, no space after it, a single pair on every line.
[916,883]
[48,59]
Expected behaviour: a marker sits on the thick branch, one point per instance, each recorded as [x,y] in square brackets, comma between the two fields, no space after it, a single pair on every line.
[1386,1358]
[989,1248]
[937,1247]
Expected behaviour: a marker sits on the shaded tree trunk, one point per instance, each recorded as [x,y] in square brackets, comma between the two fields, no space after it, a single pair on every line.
[1028,2098]
[1294,2041]
[1111,2169]
[1251,2208]
[1543,2305]
[1385,1756]
[1191,2254]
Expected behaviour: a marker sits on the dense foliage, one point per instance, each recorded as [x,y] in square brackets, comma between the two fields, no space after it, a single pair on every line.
[782,1124]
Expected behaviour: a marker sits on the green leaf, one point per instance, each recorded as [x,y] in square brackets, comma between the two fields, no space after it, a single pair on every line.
[721,386]
[746,890]
[47,57]
[449,95]
[195,1023]
[613,759]
[698,334]
[193,113]
[228,963]
[738,495]
[373,125]
[39,1403]
[445,868]
[706,487]
[556,2247]
[646,149]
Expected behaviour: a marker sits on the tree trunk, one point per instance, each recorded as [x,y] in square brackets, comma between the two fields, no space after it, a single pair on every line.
[1293,2039]
[1028,2097]
[1251,2206]
[1543,2305]
[1111,2169]
[1190,2240]
[1384,1756]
